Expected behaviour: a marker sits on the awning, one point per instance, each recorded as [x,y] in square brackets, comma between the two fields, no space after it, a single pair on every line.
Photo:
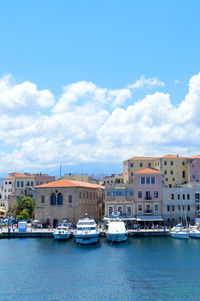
[149,218]
[123,218]
[3,210]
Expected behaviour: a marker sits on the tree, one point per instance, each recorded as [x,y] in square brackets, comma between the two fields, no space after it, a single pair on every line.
[24,214]
[25,203]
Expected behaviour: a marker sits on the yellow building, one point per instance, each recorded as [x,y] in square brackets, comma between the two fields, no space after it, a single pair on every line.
[174,168]
[134,164]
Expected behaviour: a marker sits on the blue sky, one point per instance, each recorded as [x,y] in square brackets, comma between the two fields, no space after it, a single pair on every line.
[55,44]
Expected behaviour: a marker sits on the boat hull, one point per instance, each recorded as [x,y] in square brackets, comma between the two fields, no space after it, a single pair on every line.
[84,239]
[61,236]
[179,235]
[195,235]
[116,237]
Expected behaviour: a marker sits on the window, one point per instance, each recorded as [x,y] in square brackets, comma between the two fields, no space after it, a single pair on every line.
[188,196]
[110,210]
[141,165]
[172,207]
[6,183]
[153,180]
[129,210]
[165,162]
[179,208]
[188,207]
[172,196]
[31,183]
[170,185]
[139,194]
[149,164]
[168,207]
[165,172]
[28,184]
[37,183]
[156,194]
[69,198]
[172,163]
[142,180]
[84,195]
[59,199]
[41,183]
[108,193]
[196,196]
[140,209]
[42,199]
[183,163]
[10,182]
[183,196]
[80,194]
[131,174]
[193,176]
[166,179]
[22,184]
[178,196]
[129,192]
[119,192]
[173,179]
[119,210]
[148,195]
[183,174]
[53,199]
[147,180]
[132,165]
[17,183]
[171,172]
[113,193]
[156,207]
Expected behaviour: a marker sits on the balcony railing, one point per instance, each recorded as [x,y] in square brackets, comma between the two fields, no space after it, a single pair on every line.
[148,198]
[148,212]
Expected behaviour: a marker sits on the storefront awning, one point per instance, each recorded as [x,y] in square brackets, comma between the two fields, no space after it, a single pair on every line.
[149,218]
[123,218]
[3,210]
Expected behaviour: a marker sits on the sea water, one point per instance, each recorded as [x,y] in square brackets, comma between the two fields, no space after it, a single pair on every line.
[143,268]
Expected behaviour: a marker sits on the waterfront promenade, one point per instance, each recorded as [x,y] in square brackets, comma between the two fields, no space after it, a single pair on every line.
[48,233]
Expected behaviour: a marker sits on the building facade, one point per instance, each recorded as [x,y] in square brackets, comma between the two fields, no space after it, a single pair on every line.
[181,204]
[68,200]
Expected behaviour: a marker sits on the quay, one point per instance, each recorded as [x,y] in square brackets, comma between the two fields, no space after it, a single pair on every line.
[48,233]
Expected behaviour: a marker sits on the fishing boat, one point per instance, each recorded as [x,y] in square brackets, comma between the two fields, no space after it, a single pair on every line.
[62,233]
[86,232]
[116,231]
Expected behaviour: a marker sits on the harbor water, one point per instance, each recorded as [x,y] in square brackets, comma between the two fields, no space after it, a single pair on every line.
[146,268]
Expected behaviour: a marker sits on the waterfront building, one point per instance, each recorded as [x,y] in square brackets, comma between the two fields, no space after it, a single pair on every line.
[148,184]
[181,204]
[194,168]
[113,179]
[134,164]
[119,200]
[68,200]
[19,185]
[174,169]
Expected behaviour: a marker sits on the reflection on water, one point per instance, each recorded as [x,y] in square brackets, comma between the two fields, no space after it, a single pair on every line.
[139,269]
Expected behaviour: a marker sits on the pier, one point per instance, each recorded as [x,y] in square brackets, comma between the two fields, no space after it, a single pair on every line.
[48,233]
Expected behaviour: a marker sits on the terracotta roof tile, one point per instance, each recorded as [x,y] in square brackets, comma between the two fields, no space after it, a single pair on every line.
[174,156]
[148,170]
[143,158]
[8,178]
[69,183]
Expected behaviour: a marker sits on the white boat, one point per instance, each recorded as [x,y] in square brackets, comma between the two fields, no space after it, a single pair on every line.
[179,232]
[116,231]
[62,233]
[86,232]
[194,231]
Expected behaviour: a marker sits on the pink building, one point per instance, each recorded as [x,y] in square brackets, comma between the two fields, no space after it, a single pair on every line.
[148,185]
[194,169]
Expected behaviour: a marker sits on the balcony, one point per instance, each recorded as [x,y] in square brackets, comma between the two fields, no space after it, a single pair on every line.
[147,198]
[148,212]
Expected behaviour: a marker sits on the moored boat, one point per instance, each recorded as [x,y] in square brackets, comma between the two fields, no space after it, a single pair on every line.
[179,232]
[116,231]
[86,232]
[62,233]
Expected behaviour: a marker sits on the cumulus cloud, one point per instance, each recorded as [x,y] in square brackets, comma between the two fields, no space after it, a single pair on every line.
[87,123]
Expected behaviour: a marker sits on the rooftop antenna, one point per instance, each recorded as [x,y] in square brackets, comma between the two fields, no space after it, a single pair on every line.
[60,170]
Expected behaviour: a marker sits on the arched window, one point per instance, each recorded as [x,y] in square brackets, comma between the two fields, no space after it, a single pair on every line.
[59,199]
[53,199]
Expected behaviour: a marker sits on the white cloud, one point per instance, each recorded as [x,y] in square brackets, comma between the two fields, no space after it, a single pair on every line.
[143,82]
[86,124]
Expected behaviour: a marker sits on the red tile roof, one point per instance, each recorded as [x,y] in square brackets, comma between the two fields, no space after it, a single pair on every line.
[174,156]
[148,170]
[69,183]
[143,158]
[196,157]
[8,178]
